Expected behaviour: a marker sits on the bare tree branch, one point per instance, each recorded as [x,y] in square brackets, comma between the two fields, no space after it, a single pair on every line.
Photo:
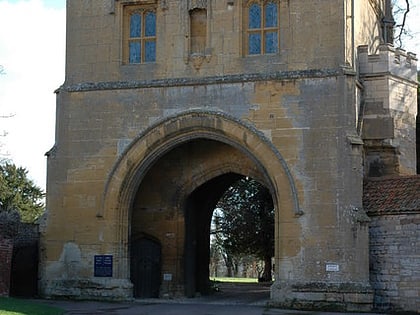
[401,26]
[7,116]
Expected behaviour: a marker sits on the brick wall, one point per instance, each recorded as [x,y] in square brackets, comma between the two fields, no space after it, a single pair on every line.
[6,251]
[395,261]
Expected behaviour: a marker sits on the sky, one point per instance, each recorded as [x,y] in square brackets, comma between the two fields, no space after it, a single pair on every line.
[32,52]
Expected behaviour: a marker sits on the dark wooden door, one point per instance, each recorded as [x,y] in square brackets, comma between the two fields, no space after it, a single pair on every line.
[146,268]
[24,277]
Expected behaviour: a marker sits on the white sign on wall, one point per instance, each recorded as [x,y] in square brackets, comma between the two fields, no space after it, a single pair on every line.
[167,276]
[332,267]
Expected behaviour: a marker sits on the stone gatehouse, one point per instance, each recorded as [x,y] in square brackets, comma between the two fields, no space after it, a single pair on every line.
[166,103]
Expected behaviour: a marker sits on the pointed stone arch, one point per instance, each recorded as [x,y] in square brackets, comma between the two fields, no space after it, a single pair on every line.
[128,172]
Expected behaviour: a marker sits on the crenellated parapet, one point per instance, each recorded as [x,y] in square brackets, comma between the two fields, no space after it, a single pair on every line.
[388,110]
[389,60]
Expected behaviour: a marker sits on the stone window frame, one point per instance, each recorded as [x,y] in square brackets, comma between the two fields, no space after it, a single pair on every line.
[128,9]
[262,30]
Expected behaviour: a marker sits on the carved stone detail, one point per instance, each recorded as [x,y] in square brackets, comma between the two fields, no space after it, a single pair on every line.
[163,4]
[198,59]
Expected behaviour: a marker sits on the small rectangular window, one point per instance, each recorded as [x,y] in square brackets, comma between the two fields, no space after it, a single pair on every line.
[139,34]
[262,33]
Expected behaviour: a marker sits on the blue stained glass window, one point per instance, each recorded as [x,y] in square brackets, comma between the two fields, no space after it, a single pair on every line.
[150,51]
[135,25]
[150,27]
[135,52]
[254,43]
[271,42]
[263,32]
[254,19]
[271,15]
[141,35]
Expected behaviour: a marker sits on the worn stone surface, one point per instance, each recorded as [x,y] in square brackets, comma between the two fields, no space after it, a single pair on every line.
[395,261]
[143,151]
[389,110]
[393,205]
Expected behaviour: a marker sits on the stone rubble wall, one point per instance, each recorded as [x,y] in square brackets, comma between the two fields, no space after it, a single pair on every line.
[395,261]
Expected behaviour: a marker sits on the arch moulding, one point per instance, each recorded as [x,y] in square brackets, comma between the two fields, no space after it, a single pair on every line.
[130,169]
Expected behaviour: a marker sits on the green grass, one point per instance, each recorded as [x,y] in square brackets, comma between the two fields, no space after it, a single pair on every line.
[236,280]
[12,306]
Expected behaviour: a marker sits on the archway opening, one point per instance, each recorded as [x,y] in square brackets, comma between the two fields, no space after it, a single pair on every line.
[198,214]
[229,228]
[171,213]
[242,233]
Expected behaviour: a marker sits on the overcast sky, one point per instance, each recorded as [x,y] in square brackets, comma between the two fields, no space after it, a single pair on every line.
[32,52]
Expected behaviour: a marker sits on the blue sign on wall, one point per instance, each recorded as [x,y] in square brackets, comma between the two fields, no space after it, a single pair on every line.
[103,266]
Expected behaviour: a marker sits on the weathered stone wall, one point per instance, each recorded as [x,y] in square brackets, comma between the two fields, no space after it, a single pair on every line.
[94,39]
[365,18]
[96,127]
[395,261]
[388,111]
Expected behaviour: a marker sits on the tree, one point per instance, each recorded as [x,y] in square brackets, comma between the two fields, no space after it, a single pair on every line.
[400,11]
[19,193]
[246,222]
[393,15]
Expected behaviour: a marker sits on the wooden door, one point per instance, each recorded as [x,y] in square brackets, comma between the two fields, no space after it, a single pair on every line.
[146,268]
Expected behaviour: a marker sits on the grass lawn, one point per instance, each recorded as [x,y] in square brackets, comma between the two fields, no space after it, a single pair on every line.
[236,280]
[11,306]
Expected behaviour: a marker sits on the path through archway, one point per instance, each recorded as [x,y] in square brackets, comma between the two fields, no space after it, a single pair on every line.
[246,219]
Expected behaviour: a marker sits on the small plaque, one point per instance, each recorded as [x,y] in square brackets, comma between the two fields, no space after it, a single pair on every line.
[103,266]
[167,276]
[332,267]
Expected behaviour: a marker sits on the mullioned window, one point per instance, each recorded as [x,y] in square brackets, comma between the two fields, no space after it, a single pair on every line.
[139,34]
[262,27]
